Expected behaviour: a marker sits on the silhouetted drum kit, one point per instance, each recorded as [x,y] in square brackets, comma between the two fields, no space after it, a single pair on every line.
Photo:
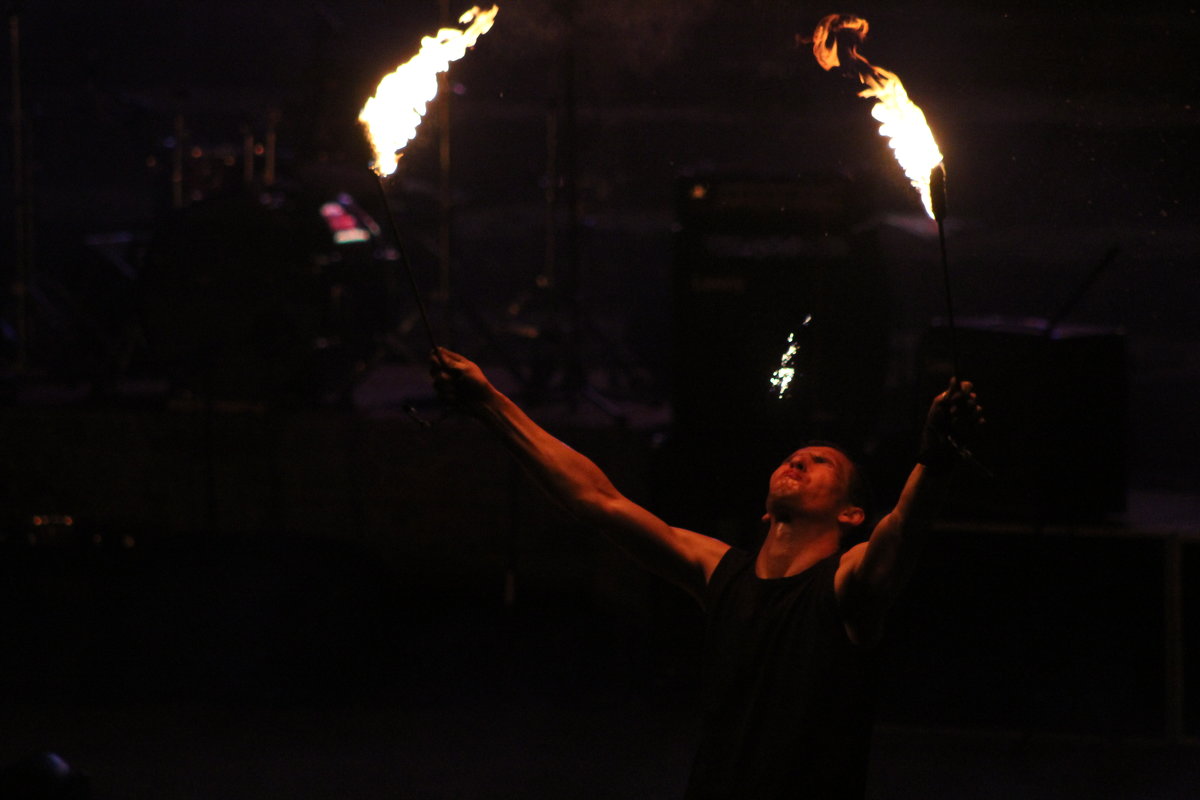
[265,293]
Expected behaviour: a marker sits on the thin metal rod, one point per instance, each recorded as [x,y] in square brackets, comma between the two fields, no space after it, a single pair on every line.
[408,271]
[937,202]
[937,194]
[949,300]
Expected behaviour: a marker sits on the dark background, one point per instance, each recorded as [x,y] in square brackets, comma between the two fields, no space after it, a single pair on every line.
[234,565]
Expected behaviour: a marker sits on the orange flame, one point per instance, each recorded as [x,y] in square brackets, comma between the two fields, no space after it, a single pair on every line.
[901,121]
[392,115]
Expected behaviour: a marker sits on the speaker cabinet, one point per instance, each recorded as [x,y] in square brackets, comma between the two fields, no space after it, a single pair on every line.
[755,258]
[1056,409]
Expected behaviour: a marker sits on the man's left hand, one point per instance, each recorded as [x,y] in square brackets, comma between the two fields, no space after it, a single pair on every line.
[953,418]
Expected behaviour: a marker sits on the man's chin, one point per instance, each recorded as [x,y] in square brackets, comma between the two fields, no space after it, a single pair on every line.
[784,507]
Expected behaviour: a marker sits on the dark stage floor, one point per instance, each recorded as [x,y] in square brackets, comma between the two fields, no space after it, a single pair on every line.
[488,716]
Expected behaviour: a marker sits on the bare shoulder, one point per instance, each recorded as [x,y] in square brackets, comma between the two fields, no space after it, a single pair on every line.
[849,562]
[862,608]
[695,558]
[847,581]
[703,552]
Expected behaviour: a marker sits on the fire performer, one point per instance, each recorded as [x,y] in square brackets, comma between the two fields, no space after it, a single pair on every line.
[791,629]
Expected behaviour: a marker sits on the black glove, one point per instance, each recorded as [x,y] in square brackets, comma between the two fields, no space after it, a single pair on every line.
[952,418]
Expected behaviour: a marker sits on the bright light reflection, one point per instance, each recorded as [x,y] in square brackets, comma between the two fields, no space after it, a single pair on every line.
[783,377]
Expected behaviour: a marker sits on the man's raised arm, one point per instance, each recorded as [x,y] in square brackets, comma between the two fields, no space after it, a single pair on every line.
[872,574]
[684,557]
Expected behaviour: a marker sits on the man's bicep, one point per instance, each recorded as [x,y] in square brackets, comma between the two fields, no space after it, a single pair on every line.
[684,557]
[869,578]
[872,568]
[696,557]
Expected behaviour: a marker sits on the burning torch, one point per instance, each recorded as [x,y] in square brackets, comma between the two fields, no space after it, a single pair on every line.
[909,136]
[901,121]
[393,114]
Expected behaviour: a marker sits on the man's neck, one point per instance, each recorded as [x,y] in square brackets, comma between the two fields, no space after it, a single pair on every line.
[792,546]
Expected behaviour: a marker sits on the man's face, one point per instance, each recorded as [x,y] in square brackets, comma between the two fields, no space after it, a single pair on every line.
[813,481]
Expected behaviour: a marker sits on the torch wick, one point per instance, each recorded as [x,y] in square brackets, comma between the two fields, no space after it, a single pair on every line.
[408,270]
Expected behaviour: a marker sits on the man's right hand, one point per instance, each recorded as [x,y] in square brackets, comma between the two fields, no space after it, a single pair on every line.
[458,380]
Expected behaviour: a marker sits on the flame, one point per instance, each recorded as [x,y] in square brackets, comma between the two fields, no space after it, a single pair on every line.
[392,115]
[901,121]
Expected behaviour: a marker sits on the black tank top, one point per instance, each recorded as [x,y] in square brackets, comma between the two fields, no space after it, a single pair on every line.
[788,698]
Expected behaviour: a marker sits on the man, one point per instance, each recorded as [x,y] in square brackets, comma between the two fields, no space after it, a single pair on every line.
[791,629]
